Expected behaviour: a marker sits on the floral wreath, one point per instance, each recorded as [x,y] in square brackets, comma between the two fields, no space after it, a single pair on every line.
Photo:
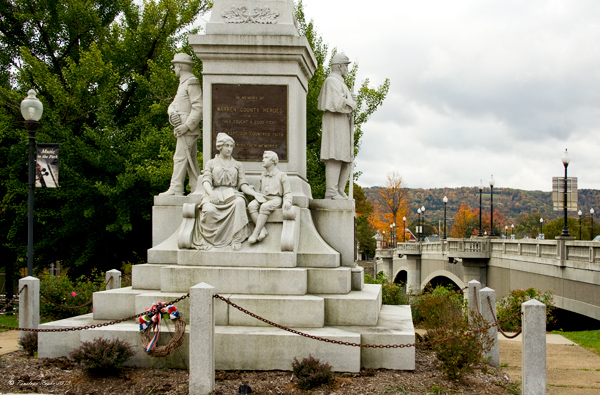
[150,329]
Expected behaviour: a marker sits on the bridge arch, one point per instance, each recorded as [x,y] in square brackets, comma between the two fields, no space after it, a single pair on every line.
[443,273]
[401,276]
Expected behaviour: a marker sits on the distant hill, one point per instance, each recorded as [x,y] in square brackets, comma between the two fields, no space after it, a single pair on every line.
[512,203]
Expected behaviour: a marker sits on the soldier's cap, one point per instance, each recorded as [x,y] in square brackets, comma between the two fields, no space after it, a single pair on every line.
[182,58]
[340,58]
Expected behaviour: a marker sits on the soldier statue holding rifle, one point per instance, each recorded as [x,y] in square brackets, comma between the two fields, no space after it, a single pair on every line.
[337,141]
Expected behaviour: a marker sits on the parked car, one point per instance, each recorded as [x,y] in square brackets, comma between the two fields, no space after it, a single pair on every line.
[597,238]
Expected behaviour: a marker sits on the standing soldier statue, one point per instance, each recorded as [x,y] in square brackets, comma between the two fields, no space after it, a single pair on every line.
[185,113]
[337,140]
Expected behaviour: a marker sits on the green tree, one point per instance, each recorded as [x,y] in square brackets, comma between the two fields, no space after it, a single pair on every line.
[368,99]
[528,225]
[365,232]
[102,69]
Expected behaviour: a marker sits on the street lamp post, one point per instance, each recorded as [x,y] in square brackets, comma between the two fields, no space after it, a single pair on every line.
[32,110]
[512,228]
[445,200]
[393,234]
[383,239]
[565,160]
[404,229]
[423,225]
[506,231]
[541,227]
[592,216]
[580,213]
[492,206]
[419,224]
[480,191]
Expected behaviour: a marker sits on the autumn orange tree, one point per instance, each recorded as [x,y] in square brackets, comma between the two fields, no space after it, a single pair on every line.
[391,204]
[499,222]
[465,222]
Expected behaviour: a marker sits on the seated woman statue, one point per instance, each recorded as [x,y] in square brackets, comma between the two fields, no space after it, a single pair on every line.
[222,219]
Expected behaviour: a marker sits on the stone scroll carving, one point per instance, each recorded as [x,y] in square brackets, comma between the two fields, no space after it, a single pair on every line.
[261,15]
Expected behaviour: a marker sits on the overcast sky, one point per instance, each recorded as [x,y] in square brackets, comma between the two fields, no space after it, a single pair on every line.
[478,87]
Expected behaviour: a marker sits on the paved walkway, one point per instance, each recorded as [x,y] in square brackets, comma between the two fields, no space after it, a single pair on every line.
[572,370]
[9,342]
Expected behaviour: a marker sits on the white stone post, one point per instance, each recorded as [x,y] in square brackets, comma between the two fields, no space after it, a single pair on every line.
[487,298]
[474,287]
[534,348]
[29,304]
[116,279]
[202,334]
[358,278]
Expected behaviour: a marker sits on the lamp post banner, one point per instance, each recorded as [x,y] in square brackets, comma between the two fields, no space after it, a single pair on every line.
[558,193]
[46,169]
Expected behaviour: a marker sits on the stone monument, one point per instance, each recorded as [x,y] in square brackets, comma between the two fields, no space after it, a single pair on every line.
[302,275]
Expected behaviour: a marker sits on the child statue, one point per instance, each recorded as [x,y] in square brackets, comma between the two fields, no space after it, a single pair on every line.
[274,192]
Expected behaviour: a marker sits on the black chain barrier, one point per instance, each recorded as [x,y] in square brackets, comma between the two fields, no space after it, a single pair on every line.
[271,323]
[500,329]
[420,344]
[80,328]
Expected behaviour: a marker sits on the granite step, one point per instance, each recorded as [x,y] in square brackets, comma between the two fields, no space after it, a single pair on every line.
[256,348]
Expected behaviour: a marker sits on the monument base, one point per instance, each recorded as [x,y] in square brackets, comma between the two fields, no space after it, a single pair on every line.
[240,347]
[310,289]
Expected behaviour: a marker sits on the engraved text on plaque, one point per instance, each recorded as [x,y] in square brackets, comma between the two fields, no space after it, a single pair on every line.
[254,115]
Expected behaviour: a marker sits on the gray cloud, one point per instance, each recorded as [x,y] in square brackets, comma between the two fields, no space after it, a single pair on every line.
[477,87]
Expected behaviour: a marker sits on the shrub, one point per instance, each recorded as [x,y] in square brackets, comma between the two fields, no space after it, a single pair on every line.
[392,293]
[510,305]
[459,356]
[102,357]
[63,291]
[311,373]
[29,342]
[444,313]
[429,309]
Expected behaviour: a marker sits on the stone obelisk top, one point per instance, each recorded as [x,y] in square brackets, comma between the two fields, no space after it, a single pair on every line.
[253,17]
[255,73]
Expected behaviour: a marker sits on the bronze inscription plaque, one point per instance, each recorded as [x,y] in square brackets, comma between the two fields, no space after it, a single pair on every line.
[256,116]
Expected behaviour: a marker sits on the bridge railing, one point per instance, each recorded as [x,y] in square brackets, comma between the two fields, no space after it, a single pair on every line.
[433,247]
[575,252]
[586,252]
[384,253]
[526,248]
[409,248]
[469,248]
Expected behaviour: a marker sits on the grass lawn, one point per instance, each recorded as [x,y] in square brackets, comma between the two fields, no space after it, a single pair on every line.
[586,339]
[8,320]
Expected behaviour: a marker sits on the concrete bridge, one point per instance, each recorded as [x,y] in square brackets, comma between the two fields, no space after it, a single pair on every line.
[569,268]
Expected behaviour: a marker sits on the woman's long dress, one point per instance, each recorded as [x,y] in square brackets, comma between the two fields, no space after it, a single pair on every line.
[219,225]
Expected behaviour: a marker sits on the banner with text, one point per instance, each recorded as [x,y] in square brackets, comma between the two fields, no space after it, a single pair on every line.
[46,174]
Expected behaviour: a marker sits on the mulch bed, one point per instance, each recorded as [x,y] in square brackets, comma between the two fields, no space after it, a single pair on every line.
[24,374]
